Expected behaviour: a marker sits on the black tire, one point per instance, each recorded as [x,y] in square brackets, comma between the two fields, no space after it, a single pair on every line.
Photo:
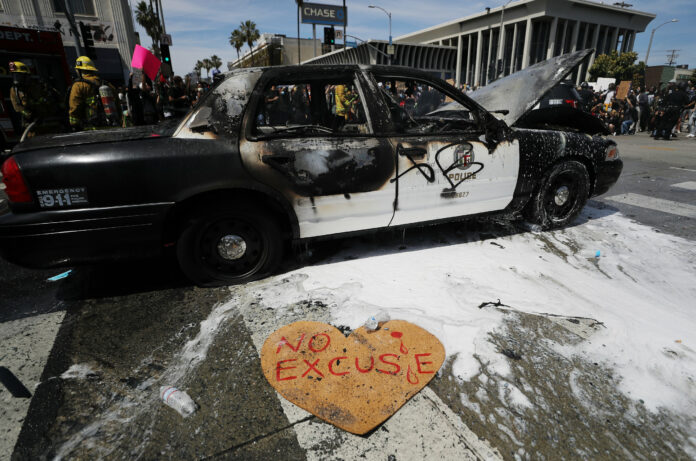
[563,192]
[201,259]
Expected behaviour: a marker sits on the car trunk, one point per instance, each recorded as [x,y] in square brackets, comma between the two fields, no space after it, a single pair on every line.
[96,136]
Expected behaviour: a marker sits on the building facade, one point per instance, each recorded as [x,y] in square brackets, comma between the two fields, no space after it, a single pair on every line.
[503,40]
[110,22]
[276,50]
[471,50]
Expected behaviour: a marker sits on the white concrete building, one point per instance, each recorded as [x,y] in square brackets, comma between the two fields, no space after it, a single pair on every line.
[110,21]
[532,31]
[276,50]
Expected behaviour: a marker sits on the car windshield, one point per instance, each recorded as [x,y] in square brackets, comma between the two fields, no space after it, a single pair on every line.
[417,107]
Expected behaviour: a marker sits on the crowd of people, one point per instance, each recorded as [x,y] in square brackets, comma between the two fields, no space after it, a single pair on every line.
[92,103]
[663,113]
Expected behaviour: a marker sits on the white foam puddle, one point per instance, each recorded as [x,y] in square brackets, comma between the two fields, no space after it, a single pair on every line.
[641,288]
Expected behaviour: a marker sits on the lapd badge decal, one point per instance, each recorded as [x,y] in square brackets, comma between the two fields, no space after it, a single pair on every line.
[463,156]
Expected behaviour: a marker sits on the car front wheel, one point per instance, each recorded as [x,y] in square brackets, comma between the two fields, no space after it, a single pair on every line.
[563,193]
[229,247]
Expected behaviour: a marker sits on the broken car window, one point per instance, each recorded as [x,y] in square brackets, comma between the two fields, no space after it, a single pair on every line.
[319,107]
[417,107]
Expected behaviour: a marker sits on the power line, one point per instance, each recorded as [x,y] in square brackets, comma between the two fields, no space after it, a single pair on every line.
[672,57]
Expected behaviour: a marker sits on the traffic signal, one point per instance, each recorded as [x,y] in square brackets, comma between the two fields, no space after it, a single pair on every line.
[88,41]
[329,36]
[164,51]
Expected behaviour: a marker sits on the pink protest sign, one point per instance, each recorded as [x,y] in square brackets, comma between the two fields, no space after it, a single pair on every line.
[143,59]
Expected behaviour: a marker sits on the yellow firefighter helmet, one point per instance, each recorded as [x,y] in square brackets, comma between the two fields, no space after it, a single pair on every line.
[84,63]
[18,67]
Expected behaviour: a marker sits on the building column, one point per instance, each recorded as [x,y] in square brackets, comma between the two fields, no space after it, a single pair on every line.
[477,69]
[585,37]
[467,77]
[501,43]
[574,37]
[458,73]
[527,44]
[632,41]
[595,40]
[552,38]
[605,40]
[488,56]
[563,36]
[614,40]
[513,54]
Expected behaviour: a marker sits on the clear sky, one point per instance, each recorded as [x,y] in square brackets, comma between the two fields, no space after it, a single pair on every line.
[202,28]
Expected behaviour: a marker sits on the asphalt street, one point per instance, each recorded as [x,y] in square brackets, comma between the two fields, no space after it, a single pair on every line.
[93,348]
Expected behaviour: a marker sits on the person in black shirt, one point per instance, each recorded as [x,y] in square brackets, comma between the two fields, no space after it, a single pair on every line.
[670,109]
[587,96]
[178,99]
[271,98]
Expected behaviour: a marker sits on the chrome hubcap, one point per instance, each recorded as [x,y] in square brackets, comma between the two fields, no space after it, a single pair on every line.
[561,196]
[231,247]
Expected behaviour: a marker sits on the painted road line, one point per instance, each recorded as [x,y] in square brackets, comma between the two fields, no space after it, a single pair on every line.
[681,169]
[657,204]
[26,345]
[688,185]
[657,148]
[423,428]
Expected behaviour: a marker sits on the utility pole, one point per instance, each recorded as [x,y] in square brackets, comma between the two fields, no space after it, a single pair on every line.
[299,58]
[71,20]
[672,57]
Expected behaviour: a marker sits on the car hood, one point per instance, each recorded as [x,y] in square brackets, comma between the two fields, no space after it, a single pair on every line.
[519,92]
[96,136]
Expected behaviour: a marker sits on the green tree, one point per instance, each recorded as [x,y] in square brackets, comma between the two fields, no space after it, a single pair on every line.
[146,17]
[197,68]
[250,34]
[237,41]
[619,66]
[215,61]
[207,65]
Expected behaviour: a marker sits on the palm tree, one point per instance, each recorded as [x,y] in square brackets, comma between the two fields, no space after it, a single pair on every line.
[207,65]
[216,61]
[146,17]
[250,34]
[197,68]
[237,40]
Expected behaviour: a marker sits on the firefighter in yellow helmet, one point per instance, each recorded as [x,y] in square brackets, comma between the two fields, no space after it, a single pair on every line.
[24,94]
[87,110]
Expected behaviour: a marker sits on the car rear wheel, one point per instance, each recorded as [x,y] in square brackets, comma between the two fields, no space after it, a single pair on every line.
[229,247]
[563,193]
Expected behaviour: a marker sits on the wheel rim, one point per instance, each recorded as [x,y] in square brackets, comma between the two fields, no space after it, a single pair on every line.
[562,196]
[232,248]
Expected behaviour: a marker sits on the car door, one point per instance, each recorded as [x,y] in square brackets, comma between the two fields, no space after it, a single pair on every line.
[446,165]
[309,135]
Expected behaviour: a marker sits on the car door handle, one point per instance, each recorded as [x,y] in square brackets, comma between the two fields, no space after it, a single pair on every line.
[413,151]
[277,159]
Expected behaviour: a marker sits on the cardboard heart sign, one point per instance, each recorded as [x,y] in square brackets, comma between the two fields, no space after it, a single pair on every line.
[354,383]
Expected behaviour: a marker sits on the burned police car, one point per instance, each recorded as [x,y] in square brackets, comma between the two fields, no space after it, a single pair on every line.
[284,154]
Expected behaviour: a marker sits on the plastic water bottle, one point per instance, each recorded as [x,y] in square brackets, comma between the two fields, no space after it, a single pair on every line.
[372,323]
[178,400]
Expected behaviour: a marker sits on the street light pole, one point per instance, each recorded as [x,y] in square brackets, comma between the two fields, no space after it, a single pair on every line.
[647,54]
[390,28]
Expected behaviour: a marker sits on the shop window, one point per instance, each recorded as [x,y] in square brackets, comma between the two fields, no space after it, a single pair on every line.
[83,7]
